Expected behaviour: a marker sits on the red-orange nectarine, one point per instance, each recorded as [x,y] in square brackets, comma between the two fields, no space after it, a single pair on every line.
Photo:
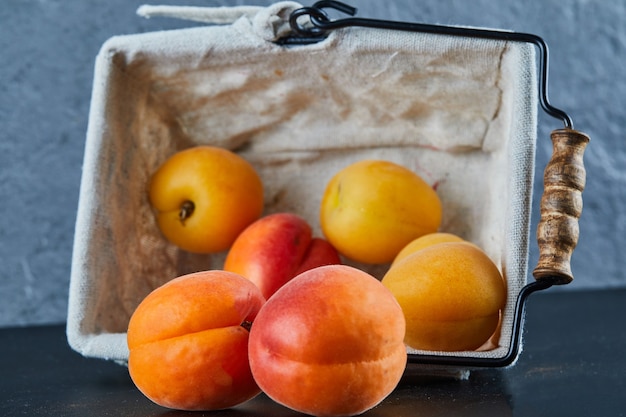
[276,248]
[329,342]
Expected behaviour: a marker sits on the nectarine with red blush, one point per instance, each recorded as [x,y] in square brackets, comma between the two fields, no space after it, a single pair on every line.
[329,342]
[276,248]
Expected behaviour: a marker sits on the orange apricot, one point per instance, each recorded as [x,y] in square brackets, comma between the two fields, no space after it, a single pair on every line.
[188,341]
[451,295]
[329,342]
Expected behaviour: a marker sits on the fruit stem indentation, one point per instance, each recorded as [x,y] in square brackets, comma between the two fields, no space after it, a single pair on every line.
[186,210]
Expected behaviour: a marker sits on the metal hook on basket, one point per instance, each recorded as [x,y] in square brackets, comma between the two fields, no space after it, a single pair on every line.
[321,24]
[317,14]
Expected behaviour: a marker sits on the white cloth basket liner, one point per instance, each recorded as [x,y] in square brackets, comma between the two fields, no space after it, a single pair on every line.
[461,112]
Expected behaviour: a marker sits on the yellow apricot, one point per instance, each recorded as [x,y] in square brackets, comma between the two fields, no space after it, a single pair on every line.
[371,209]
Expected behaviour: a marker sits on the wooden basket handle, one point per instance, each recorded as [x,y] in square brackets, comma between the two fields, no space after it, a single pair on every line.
[561,205]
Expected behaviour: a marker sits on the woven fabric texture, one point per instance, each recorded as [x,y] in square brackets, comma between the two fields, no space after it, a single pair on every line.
[461,112]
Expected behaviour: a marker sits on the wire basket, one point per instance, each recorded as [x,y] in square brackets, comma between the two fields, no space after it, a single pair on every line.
[300,95]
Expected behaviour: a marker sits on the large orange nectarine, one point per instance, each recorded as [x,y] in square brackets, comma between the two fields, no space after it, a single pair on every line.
[451,294]
[188,341]
[276,248]
[371,209]
[205,196]
[329,342]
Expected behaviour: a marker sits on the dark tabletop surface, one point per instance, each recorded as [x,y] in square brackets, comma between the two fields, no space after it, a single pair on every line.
[573,364]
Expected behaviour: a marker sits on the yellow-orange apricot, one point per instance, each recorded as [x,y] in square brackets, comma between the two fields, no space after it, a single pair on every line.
[188,341]
[451,295]
[329,342]
[204,197]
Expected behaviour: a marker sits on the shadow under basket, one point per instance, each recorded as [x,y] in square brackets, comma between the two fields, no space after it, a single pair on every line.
[300,96]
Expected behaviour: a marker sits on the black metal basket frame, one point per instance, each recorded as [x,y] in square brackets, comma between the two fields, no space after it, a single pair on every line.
[312,24]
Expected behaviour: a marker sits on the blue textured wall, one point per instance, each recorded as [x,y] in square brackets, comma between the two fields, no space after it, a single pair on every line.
[47,50]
